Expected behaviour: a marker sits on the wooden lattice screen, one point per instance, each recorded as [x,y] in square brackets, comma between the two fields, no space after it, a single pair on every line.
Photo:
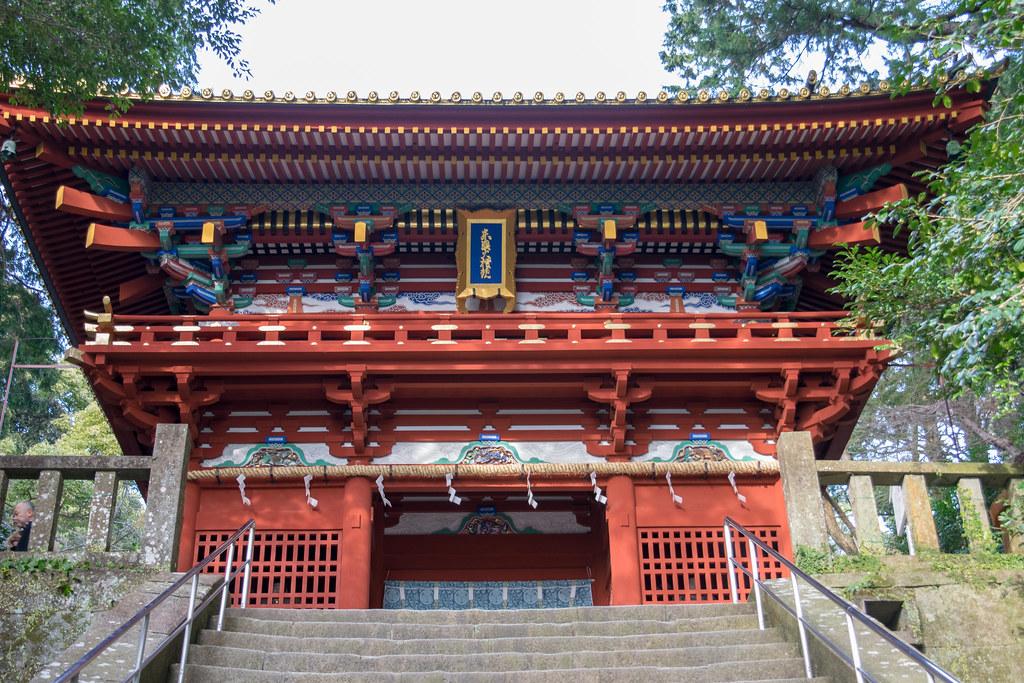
[688,564]
[289,568]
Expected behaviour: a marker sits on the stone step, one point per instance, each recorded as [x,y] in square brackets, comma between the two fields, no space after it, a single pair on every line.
[387,629]
[509,616]
[386,646]
[745,657]
[772,671]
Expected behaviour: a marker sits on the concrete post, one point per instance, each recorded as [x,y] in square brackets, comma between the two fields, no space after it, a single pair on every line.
[356,543]
[160,536]
[623,545]
[920,522]
[865,513]
[101,511]
[47,509]
[801,490]
[1015,495]
[974,515]
[3,491]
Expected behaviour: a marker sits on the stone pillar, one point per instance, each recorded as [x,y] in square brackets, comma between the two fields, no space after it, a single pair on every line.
[189,512]
[623,545]
[1015,495]
[920,523]
[356,543]
[801,490]
[101,512]
[3,491]
[865,513]
[166,496]
[47,509]
[974,515]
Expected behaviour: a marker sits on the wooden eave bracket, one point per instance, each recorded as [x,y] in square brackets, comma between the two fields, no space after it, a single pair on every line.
[618,398]
[49,153]
[81,203]
[358,398]
[858,207]
[852,233]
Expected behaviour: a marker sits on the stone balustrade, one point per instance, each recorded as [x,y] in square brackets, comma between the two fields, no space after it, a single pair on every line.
[803,477]
[164,473]
[52,471]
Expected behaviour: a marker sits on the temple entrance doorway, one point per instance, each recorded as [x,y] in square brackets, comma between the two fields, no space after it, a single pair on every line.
[492,551]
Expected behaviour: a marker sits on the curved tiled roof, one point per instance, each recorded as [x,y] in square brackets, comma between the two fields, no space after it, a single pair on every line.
[700,96]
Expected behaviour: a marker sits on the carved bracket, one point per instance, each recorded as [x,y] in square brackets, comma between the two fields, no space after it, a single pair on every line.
[358,397]
[818,406]
[618,398]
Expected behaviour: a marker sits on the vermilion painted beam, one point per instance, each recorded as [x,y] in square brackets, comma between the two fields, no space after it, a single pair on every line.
[859,206]
[139,287]
[110,238]
[51,155]
[854,233]
[89,205]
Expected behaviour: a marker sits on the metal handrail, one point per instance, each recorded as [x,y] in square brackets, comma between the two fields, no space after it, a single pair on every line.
[223,587]
[932,670]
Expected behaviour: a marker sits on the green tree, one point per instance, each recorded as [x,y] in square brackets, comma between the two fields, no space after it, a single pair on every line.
[961,285]
[65,53]
[61,54]
[84,431]
[37,397]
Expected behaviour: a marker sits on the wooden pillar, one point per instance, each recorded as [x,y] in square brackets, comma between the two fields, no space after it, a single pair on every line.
[377,556]
[865,513]
[623,546]
[47,509]
[101,511]
[600,569]
[356,543]
[974,515]
[921,532]
[800,488]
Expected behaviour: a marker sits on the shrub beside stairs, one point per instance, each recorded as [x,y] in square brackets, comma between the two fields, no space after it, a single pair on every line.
[692,643]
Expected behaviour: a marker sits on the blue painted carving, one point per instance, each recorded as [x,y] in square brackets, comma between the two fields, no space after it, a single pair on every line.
[451,595]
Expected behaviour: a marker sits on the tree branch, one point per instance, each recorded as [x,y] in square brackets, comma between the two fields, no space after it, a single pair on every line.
[845,541]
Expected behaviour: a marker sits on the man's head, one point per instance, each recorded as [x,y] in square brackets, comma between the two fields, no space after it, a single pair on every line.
[23,513]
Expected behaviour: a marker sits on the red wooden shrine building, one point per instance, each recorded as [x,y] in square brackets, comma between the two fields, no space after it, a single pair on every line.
[452,343]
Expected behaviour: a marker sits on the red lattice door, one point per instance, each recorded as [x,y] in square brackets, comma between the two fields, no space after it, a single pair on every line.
[289,568]
[689,564]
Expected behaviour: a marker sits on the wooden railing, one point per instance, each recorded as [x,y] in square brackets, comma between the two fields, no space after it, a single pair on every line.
[51,472]
[915,479]
[446,329]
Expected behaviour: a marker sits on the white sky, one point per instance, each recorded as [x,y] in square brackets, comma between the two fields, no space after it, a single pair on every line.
[448,45]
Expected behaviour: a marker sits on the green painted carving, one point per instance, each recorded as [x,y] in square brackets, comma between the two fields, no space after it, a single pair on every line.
[477,524]
[487,453]
[703,451]
[104,184]
[862,181]
[274,455]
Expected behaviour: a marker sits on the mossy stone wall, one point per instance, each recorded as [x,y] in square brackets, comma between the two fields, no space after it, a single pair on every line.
[48,602]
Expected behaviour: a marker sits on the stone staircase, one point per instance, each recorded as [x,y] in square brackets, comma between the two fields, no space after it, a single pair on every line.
[693,643]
